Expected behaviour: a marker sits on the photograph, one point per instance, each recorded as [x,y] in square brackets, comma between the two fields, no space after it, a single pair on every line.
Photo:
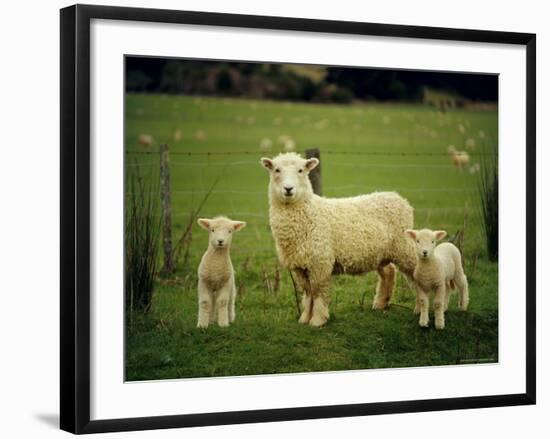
[292,218]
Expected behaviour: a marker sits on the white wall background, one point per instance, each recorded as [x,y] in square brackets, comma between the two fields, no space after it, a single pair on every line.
[29,218]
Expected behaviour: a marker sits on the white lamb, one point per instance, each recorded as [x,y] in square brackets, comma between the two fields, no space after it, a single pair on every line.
[438,269]
[316,237]
[216,276]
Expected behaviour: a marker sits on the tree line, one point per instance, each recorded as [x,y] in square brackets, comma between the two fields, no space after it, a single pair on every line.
[300,82]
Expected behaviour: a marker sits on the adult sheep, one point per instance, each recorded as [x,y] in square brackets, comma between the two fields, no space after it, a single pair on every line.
[316,237]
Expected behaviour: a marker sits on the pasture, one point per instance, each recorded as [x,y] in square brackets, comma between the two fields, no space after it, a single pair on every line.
[364,148]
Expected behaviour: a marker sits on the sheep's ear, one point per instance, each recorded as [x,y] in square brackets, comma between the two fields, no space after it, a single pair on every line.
[440,234]
[411,233]
[266,163]
[204,223]
[311,163]
[238,225]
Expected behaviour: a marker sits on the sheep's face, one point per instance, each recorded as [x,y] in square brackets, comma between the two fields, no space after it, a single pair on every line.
[425,241]
[289,181]
[221,230]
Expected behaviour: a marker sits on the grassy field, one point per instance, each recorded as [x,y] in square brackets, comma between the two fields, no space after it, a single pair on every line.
[364,148]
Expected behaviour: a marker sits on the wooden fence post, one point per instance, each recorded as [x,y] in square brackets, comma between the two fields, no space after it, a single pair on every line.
[315,175]
[166,204]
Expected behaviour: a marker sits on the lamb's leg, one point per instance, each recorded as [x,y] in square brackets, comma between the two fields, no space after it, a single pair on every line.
[205,306]
[424,303]
[439,306]
[384,288]
[464,292]
[222,305]
[448,290]
[417,305]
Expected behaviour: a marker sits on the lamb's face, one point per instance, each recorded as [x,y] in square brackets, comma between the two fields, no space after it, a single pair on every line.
[425,241]
[221,230]
[288,175]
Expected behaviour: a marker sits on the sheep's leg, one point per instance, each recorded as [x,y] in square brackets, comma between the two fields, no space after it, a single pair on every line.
[424,303]
[222,305]
[448,291]
[320,314]
[205,306]
[307,300]
[439,306]
[447,298]
[307,307]
[417,305]
[384,288]
[464,293]
[232,297]
[320,283]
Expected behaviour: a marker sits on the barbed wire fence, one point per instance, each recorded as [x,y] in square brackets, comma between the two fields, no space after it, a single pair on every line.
[166,161]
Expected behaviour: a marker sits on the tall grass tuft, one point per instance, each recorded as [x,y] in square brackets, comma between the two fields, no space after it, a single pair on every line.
[142,238]
[488,191]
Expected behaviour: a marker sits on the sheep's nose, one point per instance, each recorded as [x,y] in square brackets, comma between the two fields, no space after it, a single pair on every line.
[288,189]
[220,241]
[425,252]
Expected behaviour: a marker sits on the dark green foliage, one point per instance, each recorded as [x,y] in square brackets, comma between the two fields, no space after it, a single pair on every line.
[224,82]
[342,95]
[488,192]
[297,82]
[142,238]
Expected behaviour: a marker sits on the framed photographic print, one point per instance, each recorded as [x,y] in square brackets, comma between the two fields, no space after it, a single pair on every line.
[275,218]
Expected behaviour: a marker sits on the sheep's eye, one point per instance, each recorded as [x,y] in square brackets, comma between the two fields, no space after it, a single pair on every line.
[211,230]
[417,241]
[231,231]
[300,171]
[277,170]
[433,242]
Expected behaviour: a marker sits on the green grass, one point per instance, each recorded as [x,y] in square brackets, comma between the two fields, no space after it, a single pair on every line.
[364,148]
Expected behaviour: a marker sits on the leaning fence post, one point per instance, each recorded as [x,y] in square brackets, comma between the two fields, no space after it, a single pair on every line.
[315,174]
[166,204]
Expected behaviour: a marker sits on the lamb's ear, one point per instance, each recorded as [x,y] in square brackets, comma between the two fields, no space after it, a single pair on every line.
[238,225]
[440,234]
[204,223]
[266,163]
[311,163]
[411,233]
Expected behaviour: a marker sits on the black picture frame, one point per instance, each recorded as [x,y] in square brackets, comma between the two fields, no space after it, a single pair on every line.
[75,217]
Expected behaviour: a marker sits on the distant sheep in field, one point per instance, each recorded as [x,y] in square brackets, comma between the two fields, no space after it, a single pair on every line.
[316,237]
[177,135]
[216,289]
[200,135]
[475,168]
[266,145]
[283,138]
[289,145]
[470,143]
[145,140]
[460,159]
[438,269]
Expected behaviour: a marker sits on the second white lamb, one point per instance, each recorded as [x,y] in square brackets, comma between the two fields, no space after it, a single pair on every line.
[438,269]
